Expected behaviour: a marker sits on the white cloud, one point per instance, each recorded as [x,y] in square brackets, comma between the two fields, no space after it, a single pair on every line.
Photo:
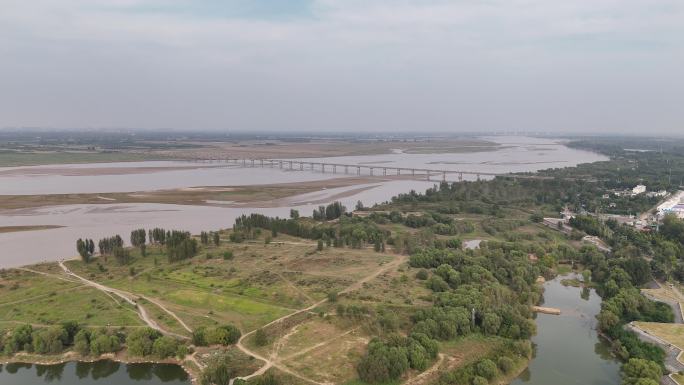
[350,63]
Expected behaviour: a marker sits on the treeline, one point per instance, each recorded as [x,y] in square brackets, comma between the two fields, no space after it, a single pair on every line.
[618,279]
[437,222]
[57,339]
[108,245]
[351,232]
[389,359]
[501,361]
[329,212]
[180,245]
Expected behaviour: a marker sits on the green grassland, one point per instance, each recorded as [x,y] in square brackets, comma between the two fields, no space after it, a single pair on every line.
[253,283]
[27,297]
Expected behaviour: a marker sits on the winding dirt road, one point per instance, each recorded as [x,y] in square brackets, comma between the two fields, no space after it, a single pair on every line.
[273,360]
[130,299]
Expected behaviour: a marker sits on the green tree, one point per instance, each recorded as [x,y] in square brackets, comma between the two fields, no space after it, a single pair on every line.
[487,369]
[637,368]
[82,342]
[164,347]
[140,342]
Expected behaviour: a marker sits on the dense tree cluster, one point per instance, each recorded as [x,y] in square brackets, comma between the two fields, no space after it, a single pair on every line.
[390,358]
[157,235]
[351,232]
[108,245]
[57,338]
[138,237]
[329,212]
[482,371]
[85,248]
[180,245]
[220,335]
[145,342]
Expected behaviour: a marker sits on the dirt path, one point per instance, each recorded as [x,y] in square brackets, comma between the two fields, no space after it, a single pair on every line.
[295,288]
[423,377]
[272,361]
[128,297]
[320,344]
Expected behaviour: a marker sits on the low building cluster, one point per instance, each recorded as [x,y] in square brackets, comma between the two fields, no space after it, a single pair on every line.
[674,205]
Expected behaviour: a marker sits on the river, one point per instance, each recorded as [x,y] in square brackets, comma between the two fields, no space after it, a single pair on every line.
[516,154]
[568,350]
[96,373]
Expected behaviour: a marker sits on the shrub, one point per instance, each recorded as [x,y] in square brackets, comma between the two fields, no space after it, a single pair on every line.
[164,347]
[506,364]
[260,337]
[422,274]
[487,369]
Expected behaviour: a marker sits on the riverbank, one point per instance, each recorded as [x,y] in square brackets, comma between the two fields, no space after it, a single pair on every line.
[568,347]
[267,195]
[15,229]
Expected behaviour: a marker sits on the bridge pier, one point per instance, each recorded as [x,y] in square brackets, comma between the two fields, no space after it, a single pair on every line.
[384,171]
[301,166]
[334,169]
[323,168]
[358,170]
[290,165]
[371,171]
[478,177]
[428,174]
[244,162]
[398,171]
[413,172]
[252,163]
[460,177]
[443,176]
[345,169]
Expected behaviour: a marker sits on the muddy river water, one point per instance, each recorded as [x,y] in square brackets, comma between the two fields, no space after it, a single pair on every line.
[105,219]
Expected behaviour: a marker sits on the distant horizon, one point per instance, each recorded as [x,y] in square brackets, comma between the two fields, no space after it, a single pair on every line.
[323,134]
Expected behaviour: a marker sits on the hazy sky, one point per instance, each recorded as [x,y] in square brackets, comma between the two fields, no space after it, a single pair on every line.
[385,65]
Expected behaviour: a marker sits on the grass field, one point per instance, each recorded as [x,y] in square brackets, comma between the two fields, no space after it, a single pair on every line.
[251,284]
[27,297]
[259,284]
[672,333]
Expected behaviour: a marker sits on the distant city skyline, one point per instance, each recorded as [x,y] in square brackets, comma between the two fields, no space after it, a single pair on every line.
[576,66]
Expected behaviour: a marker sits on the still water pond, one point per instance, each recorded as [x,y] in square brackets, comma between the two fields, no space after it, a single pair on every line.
[568,349]
[99,373]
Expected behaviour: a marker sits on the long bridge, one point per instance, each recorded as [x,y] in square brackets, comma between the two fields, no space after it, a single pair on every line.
[362,169]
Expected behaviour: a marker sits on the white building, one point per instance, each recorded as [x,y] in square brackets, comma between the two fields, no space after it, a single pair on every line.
[638,189]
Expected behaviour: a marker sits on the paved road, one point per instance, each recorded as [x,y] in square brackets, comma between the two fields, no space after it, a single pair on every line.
[671,351]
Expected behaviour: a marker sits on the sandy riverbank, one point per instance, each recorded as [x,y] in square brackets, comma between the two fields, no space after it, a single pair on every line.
[269,195]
